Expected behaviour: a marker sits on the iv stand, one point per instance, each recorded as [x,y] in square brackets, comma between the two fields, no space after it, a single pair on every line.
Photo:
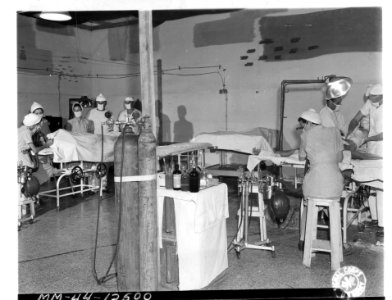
[241,241]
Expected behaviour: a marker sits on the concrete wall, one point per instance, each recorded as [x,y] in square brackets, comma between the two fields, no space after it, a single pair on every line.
[253,92]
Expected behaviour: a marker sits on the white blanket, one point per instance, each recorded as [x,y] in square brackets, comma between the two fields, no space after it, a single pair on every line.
[254,160]
[69,147]
[367,171]
[245,142]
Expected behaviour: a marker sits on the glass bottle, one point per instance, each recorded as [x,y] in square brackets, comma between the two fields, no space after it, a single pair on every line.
[177,178]
[194,180]
[168,178]
[184,179]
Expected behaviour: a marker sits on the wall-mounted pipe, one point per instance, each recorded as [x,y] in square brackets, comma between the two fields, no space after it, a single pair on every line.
[283,85]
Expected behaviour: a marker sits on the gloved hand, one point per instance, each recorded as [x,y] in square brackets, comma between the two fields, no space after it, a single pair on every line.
[51,136]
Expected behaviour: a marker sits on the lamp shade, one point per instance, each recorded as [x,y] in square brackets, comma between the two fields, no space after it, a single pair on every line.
[55,15]
[338,87]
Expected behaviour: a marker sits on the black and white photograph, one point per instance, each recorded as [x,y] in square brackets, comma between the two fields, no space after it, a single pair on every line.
[197,150]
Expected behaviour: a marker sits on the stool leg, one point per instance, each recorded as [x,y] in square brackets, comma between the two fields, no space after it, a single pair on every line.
[303,221]
[335,235]
[311,228]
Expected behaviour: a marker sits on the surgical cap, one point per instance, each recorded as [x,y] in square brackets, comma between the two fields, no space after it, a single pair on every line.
[35,106]
[311,115]
[100,98]
[374,90]
[31,119]
[129,99]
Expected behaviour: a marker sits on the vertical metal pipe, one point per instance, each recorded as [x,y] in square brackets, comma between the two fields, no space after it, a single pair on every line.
[159,101]
[246,192]
[283,85]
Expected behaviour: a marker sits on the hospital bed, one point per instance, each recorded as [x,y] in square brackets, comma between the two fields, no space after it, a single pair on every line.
[364,172]
[86,151]
[79,156]
[237,145]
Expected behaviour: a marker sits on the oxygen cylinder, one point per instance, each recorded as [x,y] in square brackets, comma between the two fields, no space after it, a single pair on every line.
[127,197]
[148,209]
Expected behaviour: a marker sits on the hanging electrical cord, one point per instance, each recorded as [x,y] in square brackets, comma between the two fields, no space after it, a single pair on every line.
[108,276]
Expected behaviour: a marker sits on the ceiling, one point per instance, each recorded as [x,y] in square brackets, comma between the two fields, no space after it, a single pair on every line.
[96,20]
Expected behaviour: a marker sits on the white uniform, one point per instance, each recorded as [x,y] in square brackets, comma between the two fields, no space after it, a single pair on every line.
[375,126]
[98,117]
[330,118]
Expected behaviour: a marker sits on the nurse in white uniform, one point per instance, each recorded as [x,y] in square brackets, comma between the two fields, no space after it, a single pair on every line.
[373,109]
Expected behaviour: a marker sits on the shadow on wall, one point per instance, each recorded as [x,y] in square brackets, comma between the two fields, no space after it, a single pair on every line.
[183,129]
[163,124]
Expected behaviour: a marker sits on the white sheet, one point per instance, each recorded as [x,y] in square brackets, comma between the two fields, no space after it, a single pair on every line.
[201,233]
[245,142]
[254,160]
[69,147]
[367,171]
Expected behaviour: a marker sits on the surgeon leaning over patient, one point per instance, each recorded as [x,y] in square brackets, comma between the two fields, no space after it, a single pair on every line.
[331,116]
[79,124]
[373,109]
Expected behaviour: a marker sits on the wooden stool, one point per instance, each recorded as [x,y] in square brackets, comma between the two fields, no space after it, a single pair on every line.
[312,244]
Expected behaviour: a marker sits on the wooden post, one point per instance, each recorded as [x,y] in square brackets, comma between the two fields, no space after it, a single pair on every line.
[147,66]
[149,259]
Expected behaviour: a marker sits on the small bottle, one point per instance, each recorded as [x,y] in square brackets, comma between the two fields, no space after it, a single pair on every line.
[194,180]
[184,179]
[177,178]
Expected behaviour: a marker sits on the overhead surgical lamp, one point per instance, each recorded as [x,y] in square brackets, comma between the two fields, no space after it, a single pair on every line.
[337,87]
[55,16]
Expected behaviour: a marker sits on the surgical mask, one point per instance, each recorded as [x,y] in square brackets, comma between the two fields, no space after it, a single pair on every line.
[337,107]
[77,114]
[100,106]
[128,106]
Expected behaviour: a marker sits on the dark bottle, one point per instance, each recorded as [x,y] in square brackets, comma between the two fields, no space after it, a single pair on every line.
[194,180]
[177,178]
[184,179]
[169,178]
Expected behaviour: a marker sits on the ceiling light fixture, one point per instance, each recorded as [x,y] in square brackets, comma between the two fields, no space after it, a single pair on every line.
[55,15]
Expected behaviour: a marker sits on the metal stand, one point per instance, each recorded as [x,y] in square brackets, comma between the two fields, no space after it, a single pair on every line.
[23,203]
[241,241]
[59,192]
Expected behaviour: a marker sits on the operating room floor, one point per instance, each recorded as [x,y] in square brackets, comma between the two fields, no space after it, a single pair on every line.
[56,252]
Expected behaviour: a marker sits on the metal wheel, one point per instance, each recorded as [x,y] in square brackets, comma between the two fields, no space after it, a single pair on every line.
[101,170]
[76,174]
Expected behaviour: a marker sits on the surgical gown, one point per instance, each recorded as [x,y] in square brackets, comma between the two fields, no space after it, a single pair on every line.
[322,145]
